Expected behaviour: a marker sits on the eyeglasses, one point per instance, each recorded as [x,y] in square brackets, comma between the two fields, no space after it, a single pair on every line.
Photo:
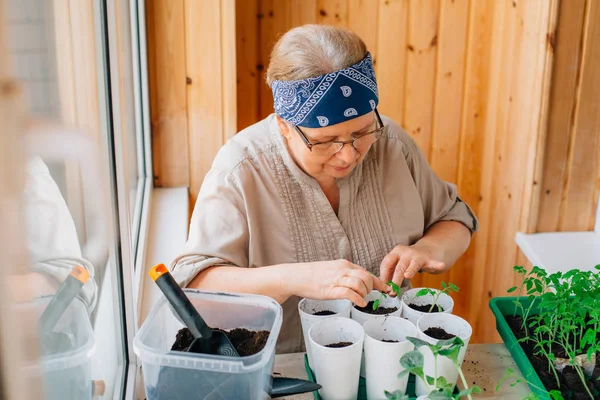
[334,146]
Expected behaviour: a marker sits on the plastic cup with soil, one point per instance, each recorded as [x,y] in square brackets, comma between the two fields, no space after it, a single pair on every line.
[433,328]
[385,344]
[312,311]
[336,345]
[414,307]
[388,306]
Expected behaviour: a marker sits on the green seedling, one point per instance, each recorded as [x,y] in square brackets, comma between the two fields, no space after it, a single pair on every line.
[438,387]
[446,288]
[396,395]
[554,394]
[395,289]
[563,316]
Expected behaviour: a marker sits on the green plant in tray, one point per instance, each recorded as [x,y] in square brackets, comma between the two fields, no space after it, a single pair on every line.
[562,318]
[446,288]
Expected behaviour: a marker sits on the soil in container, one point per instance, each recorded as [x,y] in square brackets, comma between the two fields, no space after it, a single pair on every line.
[245,342]
[426,307]
[324,312]
[389,341]
[380,310]
[571,386]
[438,333]
[339,345]
[190,384]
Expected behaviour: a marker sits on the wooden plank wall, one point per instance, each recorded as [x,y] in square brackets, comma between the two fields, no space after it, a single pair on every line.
[191,62]
[473,82]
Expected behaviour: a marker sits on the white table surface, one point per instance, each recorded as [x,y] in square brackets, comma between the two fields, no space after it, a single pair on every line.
[484,364]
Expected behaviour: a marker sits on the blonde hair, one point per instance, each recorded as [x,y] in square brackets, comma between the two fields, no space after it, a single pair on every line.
[312,50]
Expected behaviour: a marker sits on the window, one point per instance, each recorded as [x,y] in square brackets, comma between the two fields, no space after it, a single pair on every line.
[83,191]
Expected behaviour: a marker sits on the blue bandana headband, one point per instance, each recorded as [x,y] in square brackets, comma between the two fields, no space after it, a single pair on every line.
[328,99]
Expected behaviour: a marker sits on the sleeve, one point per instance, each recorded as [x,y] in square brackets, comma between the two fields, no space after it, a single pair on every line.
[52,242]
[218,230]
[440,199]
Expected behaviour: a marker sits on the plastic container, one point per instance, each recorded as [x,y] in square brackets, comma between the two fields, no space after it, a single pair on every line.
[502,306]
[66,372]
[178,375]
[307,308]
[338,369]
[382,358]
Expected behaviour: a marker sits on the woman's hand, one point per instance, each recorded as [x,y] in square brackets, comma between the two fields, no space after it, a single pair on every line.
[339,279]
[403,262]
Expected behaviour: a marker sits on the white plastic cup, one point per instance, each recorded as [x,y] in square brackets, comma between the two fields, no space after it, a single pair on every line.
[307,308]
[452,324]
[382,360]
[388,301]
[362,317]
[337,369]
[410,297]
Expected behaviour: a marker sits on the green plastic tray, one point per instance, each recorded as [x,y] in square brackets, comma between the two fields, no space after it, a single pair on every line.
[502,306]
[362,388]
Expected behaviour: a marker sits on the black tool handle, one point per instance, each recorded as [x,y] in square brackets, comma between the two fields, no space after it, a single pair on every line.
[65,294]
[180,302]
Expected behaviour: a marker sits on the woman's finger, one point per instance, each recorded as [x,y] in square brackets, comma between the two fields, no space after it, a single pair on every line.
[365,277]
[355,284]
[388,266]
[378,284]
[436,266]
[414,267]
[341,292]
[398,276]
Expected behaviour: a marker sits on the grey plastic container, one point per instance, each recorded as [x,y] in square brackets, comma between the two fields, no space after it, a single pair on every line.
[178,375]
[66,374]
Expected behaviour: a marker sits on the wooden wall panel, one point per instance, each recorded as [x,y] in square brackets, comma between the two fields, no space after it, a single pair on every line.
[562,103]
[448,104]
[449,79]
[229,68]
[333,12]
[391,57]
[168,93]
[248,72]
[422,48]
[363,18]
[581,194]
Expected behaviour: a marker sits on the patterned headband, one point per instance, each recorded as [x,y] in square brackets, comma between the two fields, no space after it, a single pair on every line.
[328,99]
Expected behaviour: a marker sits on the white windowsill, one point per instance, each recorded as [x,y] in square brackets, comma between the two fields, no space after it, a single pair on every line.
[167,233]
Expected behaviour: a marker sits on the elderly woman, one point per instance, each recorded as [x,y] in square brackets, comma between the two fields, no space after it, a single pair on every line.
[326,199]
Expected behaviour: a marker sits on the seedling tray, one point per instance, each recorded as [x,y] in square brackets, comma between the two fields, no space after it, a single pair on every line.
[362,388]
[502,306]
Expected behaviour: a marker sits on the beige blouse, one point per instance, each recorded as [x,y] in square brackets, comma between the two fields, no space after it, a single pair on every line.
[257,208]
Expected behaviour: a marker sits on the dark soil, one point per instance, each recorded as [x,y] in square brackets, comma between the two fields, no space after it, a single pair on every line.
[245,342]
[339,345]
[438,333]
[571,386]
[425,308]
[380,310]
[324,312]
[389,341]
